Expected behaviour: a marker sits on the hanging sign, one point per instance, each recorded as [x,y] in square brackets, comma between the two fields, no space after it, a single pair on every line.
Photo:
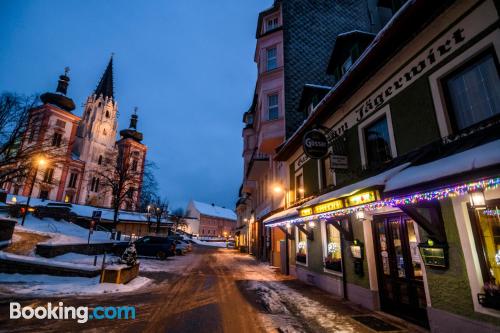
[315,144]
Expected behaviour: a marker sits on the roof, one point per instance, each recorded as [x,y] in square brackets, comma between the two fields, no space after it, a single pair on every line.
[344,43]
[105,86]
[413,16]
[215,211]
[283,215]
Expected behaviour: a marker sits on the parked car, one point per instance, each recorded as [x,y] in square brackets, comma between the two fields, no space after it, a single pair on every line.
[189,246]
[180,247]
[57,211]
[150,246]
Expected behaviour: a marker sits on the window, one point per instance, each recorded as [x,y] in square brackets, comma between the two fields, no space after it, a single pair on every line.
[68,197]
[44,194]
[99,160]
[346,65]
[134,165]
[473,92]
[56,139]
[377,143]
[333,257]
[486,226]
[299,187]
[49,173]
[104,132]
[107,114]
[94,186]
[328,177]
[272,59]
[301,256]
[130,192]
[60,123]
[272,23]
[272,107]
[72,180]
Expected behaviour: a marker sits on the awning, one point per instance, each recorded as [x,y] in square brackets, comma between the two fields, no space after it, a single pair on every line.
[480,157]
[284,215]
[378,180]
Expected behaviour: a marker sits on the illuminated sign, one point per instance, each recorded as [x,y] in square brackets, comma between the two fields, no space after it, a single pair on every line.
[328,206]
[361,199]
[306,211]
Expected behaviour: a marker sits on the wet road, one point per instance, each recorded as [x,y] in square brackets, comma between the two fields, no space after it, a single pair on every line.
[202,296]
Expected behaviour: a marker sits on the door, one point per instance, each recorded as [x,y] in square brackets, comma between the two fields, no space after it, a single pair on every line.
[399,268]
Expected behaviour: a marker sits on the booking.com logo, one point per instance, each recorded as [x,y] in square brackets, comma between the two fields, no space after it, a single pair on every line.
[81,313]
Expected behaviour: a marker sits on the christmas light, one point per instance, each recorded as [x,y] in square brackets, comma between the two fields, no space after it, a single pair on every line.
[440,194]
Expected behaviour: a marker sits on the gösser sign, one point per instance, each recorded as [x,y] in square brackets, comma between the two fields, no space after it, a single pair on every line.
[315,144]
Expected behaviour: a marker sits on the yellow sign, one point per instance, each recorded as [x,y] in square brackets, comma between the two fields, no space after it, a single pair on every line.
[305,211]
[361,199]
[328,206]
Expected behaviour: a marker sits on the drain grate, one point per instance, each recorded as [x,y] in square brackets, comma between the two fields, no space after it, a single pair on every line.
[376,324]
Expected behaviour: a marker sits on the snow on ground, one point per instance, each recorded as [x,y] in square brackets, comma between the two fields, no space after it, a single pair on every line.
[47,285]
[78,258]
[45,261]
[214,244]
[60,232]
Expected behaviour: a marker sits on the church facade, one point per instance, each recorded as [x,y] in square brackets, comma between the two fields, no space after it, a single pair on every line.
[90,147]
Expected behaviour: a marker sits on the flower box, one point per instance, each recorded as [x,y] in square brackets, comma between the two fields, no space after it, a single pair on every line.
[333,265]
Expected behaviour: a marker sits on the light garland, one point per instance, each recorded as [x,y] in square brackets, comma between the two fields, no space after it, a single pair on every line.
[448,192]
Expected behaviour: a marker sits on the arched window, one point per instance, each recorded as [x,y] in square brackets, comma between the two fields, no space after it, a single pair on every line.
[104,132]
[107,114]
[99,161]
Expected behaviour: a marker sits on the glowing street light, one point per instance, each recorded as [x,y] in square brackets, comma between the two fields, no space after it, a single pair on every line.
[40,162]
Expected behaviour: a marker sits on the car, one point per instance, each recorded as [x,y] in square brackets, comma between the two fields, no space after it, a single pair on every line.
[180,247]
[150,246]
[189,246]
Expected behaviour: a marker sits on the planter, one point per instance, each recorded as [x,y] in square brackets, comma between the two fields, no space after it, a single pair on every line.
[6,229]
[334,266]
[120,273]
[301,258]
[489,301]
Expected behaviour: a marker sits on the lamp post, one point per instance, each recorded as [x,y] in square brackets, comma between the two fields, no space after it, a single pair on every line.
[148,215]
[40,162]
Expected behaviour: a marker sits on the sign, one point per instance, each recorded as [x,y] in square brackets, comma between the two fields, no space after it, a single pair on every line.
[305,211]
[301,161]
[423,62]
[328,206]
[361,199]
[338,162]
[315,144]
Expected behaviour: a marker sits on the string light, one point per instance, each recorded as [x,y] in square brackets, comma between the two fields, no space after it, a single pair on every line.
[440,194]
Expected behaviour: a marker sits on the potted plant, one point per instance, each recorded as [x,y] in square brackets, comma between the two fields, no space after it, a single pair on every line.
[333,264]
[491,296]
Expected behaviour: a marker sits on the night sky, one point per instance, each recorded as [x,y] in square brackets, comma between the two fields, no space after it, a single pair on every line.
[186,64]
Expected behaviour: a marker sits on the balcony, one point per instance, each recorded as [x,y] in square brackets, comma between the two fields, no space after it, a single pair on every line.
[258,165]
[271,135]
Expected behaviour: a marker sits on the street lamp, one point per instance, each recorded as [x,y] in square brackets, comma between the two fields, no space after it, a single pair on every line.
[38,163]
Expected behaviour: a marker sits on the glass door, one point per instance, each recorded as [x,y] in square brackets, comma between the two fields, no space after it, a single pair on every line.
[399,268]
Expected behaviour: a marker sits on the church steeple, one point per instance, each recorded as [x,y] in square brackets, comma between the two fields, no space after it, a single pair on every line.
[105,86]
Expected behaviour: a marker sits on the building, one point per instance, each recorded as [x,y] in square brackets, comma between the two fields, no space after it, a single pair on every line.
[401,164]
[89,146]
[209,220]
[295,41]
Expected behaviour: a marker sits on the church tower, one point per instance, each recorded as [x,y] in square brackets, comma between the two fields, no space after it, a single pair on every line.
[96,137]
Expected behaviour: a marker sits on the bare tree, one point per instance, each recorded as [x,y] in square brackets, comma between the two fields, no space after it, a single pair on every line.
[179,216]
[118,179]
[149,188]
[23,139]
[160,211]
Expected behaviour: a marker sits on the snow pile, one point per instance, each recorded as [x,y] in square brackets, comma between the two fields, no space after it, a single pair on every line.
[214,244]
[78,258]
[46,285]
[45,261]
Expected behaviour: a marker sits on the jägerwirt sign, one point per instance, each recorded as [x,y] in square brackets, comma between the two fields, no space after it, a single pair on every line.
[449,42]
[315,144]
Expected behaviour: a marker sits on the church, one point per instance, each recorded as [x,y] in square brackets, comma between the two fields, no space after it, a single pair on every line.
[90,147]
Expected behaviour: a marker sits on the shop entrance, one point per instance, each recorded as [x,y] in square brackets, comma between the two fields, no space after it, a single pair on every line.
[399,268]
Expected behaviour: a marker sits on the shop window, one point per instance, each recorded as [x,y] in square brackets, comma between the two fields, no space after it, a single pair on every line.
[486,223]
[272,107]
[333,258]
[301,256]
[377,143]
[272,59]
[473,92]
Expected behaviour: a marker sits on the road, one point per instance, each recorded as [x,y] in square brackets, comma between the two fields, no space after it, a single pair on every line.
[209,290]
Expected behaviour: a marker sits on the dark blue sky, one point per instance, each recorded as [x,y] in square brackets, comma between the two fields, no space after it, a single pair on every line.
[187,64]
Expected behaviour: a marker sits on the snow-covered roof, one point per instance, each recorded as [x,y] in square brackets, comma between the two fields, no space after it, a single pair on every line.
[288,213]
[317,86]
[378,180]
[215,211]
[466,161]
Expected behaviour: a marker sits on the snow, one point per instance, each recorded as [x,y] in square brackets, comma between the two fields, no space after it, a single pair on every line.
[78,258]
[469,160]
[290,212]
[215,211]
[354,31]
[317,86]
[377,180]
[46,285]
[214,244]
[45,261]
[61,232]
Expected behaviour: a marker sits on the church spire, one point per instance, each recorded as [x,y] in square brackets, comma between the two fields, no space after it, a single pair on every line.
[105,87]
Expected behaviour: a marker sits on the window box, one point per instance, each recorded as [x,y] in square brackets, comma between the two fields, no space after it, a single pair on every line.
[301,258]
[333,264]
